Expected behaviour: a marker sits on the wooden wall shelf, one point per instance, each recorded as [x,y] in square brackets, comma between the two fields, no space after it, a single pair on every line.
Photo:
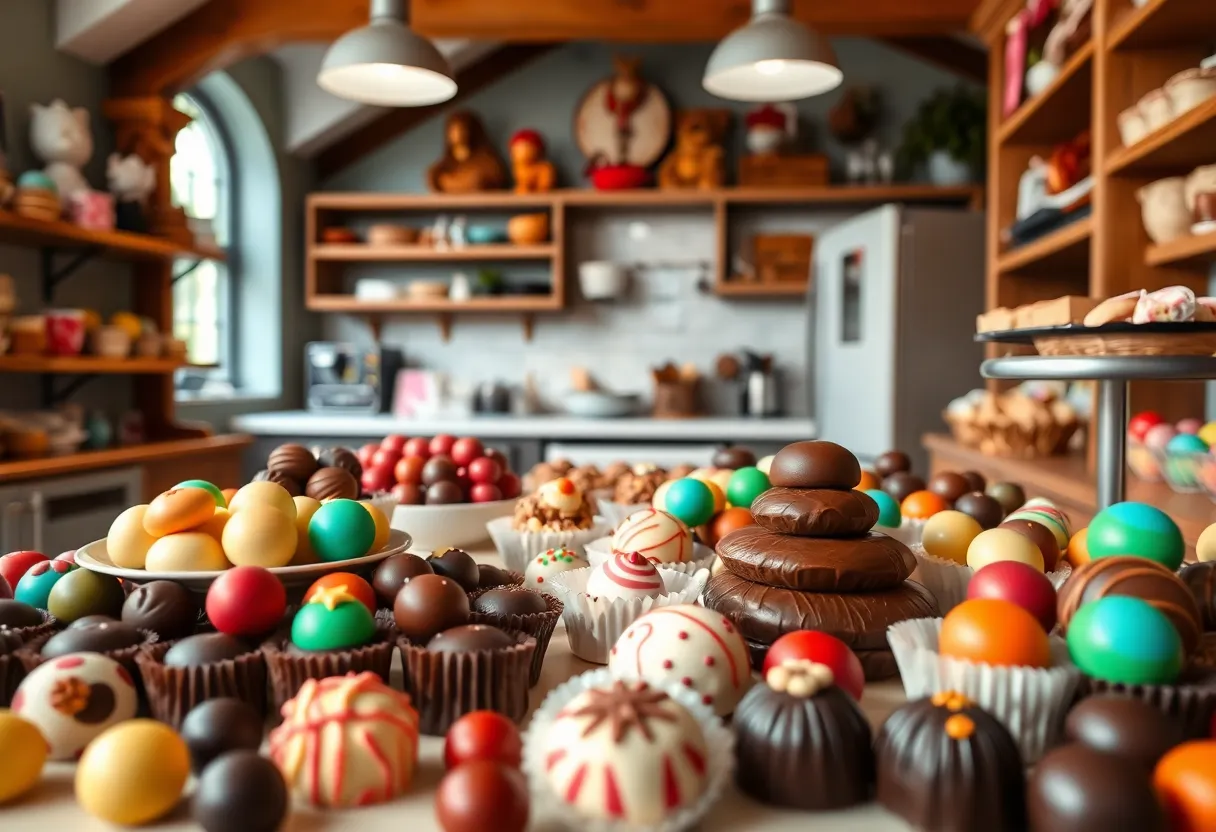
[14,469]
[88,365]
[1060,111]
[742,289]
[117,245]
[1180,146]
[1163,24]
[361,252]
[500,304]
[1065,249]
[1195,250]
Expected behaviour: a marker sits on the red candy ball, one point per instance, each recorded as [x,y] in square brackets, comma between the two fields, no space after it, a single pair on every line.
[482,735]
[466,450]
[510,485]
[356,586]
[246,601]
[15,564]
[441,444]
[821,648]
[482,795]
[485,470]
[1018,584]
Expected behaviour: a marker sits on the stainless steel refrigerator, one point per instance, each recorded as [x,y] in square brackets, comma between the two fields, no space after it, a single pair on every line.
[893,300]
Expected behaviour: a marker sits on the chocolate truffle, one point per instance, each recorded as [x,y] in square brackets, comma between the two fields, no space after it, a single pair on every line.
[444,494]
[15,615]
[289,483]
[392,574]
[1200,579]
[870,563]
[814,464]
[815,512]
[949,486]
[1126,727]
[802,742]
[1140,578]
[900,484]
[469,638]
[90,620]
[164,607]
[1008,494]
[733,458]
[892,462]
[295,461]
[99,638]
[975,481]
[1040,536]
[510,602]
[438,469]
[429,604]
[1077,789]
[217,726]
[240,792]
[332,483]
[458,565]
[207,648]
[491,576]
[343,458]
[984,509]
[946,764]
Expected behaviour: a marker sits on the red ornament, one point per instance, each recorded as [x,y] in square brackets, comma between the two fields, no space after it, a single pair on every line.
[442,444]
[484,469]
[15,564]
[393,443]
[482,735]
[466,450]
[510,485]
[1019,584]
[821,648]
[385,458]
[356,586]
[365,452]
[377,478]
[1139,424]
[482,795]
[417,447]
[246,601]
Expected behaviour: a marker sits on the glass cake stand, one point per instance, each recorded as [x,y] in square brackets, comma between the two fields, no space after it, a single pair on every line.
[1112,373]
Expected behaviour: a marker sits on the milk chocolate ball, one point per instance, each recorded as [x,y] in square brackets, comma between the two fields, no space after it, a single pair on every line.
[900,484]
[975,480]
[458,565]
[986,511]
[393,573]
[949,486]
[444,493]
[429,604]
[892,462]
[332,483]
[295,461]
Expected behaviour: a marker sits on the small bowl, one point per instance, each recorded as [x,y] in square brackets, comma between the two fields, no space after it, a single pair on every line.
[1157,109]
[1143,462]
[1182,469]
[1132,126]
[459,525]
[483,235]
[111,342]
[1190,88]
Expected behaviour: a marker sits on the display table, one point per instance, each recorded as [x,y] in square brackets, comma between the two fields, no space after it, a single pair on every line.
[51,805]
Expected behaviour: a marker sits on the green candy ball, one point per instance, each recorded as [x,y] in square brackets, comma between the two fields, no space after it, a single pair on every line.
[341,530]
[690,501]
[317,627]
[82,592]
[1125,640]
[889,515]
[208,487]
[1136,529]
[745,485]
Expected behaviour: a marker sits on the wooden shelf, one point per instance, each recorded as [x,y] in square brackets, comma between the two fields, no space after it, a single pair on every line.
[1191,250]
[1164,23]
[735,288]
[361,252]
[1063,250]
[88,365]
[120,245]
[1177,148]
[507,304]
[12,469]
[1060,111]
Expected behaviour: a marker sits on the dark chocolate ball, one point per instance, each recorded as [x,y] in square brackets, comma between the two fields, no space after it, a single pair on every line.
[814,464]
[240,792]
[1040,536]
[510,602]
[1077,789]
[900,484]
[469,638]
[332,483]
[985,510]
[1009,495]
[492,576]
[164,607]
[444,493]
[343,458]
[1124,726]
[975,481]
[217,726]
[481,795]
[90,620]
[289,483]
[733,457]
[438,469]
[99,638]
[1200,579]
[429,604]
[393,572]
[15,615]
[949,486]
[892,462]
[295,461]
[458,565]
[206,648]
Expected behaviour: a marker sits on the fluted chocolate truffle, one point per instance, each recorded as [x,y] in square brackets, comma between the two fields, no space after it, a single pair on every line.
[206,648]
[343,458]
[429,604]
[295,461]
[99,638]
[290,483]
[332,483]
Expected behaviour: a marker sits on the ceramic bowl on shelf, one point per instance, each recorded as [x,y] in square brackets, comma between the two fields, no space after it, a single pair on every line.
[1132,126]
[481,235]
[528,229]
[111,342]
[1157,109]
[458,524]
[1181,469]
[1163,209]
[598,404]
[1190,88]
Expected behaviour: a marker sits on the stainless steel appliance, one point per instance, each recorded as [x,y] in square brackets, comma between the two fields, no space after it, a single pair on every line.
[56,515]
[348,378]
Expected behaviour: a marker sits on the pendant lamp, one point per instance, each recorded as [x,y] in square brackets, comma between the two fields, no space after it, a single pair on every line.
[387,64]
[771,58]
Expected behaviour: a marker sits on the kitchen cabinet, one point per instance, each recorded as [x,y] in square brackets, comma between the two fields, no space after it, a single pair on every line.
[64,513]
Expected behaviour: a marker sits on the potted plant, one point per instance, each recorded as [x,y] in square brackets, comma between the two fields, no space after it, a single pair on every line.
[947,137]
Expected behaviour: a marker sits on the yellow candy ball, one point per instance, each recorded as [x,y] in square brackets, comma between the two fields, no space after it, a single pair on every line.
[1205,546]
[260,535]
[719,496]
[23,753]
[263,493]
[133,773]
[306,507]
[382,526]
[127,542]
[215,526]
[765,463]
[721,478]
[702,474]
[186,552]
[1003,544]
[659,500]
[947,535]
[1208,433]
[1078,548]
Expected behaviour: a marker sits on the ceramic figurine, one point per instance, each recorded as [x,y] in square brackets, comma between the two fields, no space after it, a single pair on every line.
[131,180]
[469,163]
[534,174]
[456,237]
[770,129]
[60,137]
[697,160]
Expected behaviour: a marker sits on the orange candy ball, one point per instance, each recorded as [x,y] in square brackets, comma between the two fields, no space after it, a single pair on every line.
[1078,548]
[921,505]
[358,588]
[869,481]
[728,521]
[1185,781]
[994,632]
[177,510]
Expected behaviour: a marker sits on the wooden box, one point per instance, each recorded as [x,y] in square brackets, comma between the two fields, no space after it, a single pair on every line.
[783,258]
[768,170]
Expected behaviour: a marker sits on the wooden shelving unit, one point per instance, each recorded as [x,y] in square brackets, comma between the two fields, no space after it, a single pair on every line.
[88,365]
[1065,250]
[1178,147]
[736,288]
[117,245]
[362,253]
[1196,250]
[15,469]
[1162,24]
[1062,107]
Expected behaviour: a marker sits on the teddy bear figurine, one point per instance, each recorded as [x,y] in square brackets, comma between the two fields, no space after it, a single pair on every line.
[60,136]
[697,160]
[534,174]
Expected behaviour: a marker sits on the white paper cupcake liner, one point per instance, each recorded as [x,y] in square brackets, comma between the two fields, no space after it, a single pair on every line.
[600,549]
[909,531]
[616,513]
[1031,702]
[549,811]
[387,504]
[594,624]
[519,547]
[947,581]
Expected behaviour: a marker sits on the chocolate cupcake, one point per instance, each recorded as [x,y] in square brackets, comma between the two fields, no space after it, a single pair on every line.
[179,675]
[12,671]
[947,765]
[802,742]
[515,608]
[472,667]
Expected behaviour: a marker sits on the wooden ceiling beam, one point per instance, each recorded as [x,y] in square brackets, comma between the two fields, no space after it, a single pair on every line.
[394,122]
[964,59]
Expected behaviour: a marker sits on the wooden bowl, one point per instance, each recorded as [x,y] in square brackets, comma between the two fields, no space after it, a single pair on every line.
[386,234]
[528,229]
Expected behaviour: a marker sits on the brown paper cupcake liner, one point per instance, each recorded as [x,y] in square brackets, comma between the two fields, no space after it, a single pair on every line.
[289,671]
[50,625]
[514,579]
[539,625]
[174,691]
[1191,701]
[446,686]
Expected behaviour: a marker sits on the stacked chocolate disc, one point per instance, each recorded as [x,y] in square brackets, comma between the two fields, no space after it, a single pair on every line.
[812,563]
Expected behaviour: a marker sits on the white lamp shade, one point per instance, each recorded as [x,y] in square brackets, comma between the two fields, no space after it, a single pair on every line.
[772,58]
[386,64]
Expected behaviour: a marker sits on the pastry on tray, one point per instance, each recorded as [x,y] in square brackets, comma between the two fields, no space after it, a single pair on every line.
[1012,424]
[557,506]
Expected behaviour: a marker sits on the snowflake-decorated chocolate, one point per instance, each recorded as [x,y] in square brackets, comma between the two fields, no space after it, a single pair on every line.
[73,698]
[549,563]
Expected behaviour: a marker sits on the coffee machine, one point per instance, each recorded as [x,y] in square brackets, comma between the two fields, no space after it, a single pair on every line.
[345,378]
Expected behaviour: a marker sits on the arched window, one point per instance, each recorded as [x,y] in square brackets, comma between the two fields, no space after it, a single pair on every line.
[200,174]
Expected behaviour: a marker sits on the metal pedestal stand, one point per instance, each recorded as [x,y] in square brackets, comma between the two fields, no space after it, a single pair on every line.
[1112,373]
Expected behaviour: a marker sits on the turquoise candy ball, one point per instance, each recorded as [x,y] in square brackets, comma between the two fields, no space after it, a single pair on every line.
[1136,529]
[36,179]
[1186,443]
[206,486]
[317,627]
[745,485]
[888,510]
[35,585]
[341,530]
[690,500]
[1125,640]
